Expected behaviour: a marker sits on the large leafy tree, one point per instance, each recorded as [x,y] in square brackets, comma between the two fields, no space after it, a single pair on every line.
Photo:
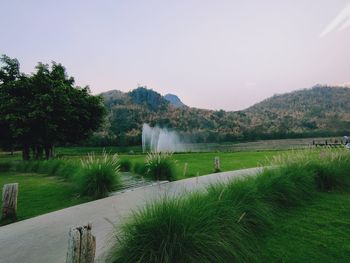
[45,109]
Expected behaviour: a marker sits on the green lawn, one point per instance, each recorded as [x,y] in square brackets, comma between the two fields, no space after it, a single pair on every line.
[39,194]
[203,163]
[316,232]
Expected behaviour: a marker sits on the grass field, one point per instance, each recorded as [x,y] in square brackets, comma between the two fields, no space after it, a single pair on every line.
[40,194]
[203,163]
[316,232]
[295,211]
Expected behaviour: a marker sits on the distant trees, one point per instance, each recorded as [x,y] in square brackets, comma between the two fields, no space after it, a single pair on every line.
[149,98]
[44,109]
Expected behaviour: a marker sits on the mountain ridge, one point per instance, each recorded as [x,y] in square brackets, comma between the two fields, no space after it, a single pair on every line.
[320,110]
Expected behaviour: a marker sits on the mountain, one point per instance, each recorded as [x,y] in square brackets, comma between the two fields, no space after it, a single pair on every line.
[174,100]
[319,111]
[321,108]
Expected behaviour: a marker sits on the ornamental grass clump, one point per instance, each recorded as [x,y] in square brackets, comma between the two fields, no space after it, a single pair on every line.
[139,168]
[99,175]
[160,166]
[125,165]
[55,167]
[224,223]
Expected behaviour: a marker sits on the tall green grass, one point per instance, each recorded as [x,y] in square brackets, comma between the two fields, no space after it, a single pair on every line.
[125,165]
[92,176]
[99,175]
[57,167]
[160,166]
[223,223]
[139,168]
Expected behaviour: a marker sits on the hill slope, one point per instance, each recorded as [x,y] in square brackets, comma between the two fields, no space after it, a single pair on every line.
[319,108]
[174,100]
[318,111]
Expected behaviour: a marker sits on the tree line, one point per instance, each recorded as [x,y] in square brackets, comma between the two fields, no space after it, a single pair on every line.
[44,109]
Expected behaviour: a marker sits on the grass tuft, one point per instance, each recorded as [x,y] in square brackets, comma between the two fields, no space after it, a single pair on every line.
[125,165]
[160,166]
[139,168]
[99,175]
[224,223]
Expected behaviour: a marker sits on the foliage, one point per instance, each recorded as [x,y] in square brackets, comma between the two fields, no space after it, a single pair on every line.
[93,176]
[44,109]
[139,167]
[125,165]
[99,175]
[224,223]
[5,166]
[55,167]
[147,97]
[160,166]
[316,112]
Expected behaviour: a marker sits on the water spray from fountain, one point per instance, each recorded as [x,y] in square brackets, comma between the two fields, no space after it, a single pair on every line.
[157,139]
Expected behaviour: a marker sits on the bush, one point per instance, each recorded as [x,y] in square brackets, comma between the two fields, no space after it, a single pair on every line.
[125,165]
[160,166]
[139,168]
[332,172]
[55,167]
[94,176]
[223,224]
[5,166]
[99,175]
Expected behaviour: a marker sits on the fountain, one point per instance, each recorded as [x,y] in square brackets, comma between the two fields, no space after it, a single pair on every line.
[158,139]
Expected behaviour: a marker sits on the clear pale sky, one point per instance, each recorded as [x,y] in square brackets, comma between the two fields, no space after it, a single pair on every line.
[222,54]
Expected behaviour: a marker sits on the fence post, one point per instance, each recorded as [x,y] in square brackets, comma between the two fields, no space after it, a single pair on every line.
[217,165]
[9,201]
[81,245]
[185,170]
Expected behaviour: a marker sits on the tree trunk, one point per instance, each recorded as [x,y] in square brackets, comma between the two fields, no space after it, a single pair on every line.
[53,151]
[9,201]
[48,151]
[38,152]
[25,153]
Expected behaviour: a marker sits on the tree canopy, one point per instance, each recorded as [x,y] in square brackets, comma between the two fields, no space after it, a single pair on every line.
[41,110]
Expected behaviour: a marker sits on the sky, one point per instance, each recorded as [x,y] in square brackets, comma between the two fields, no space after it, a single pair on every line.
[222,54]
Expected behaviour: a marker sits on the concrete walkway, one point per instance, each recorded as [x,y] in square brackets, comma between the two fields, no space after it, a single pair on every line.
[44,238]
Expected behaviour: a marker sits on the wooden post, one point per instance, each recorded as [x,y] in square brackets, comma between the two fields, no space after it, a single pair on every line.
[185,170]
[217,164]
[73,253]
[9,201]
[81,245]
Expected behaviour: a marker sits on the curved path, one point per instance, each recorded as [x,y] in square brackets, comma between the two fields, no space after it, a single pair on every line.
[44,238]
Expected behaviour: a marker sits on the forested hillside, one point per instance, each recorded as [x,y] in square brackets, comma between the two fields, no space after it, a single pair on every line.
[319,111]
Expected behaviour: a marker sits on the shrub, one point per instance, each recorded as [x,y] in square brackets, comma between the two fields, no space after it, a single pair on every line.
[160,166]
[64,168]
[139,168]
[55,167]
[99,175]
[5,166]
[125,165]
[333,171]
